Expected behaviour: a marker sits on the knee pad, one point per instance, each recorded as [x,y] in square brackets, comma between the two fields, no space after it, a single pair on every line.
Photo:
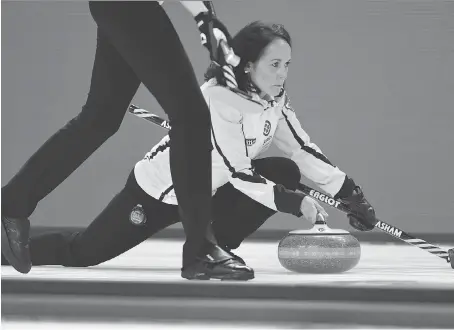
[67,257]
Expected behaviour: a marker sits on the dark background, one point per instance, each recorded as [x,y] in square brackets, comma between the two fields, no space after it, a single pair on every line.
[372,83]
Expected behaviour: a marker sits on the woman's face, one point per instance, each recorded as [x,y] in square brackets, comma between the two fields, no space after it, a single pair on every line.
[270,71]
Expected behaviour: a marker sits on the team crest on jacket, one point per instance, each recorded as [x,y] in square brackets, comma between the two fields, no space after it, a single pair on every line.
[267,128]
[137,216]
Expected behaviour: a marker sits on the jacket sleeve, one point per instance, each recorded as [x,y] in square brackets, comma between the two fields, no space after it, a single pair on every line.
[231,162]
[291,138]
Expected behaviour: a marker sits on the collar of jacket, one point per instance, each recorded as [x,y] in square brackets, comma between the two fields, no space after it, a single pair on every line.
[268,101]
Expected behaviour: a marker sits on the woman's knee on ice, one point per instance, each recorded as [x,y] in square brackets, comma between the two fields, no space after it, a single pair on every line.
[79,255]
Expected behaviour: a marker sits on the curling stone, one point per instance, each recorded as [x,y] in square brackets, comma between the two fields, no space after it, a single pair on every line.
[319,250]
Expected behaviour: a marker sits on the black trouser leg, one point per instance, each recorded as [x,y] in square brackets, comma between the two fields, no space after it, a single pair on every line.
[144,35]
[109,235]
[236,216]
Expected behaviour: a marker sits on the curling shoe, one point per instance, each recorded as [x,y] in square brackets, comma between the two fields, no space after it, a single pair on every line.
[15,243]
[218,264]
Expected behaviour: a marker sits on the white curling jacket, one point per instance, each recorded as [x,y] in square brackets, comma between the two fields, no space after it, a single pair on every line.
[241,131]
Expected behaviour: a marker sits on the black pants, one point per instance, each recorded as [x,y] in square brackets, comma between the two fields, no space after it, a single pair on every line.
[136,43]
[236,216]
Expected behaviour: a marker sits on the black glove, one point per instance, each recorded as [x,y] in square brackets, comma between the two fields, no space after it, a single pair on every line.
[362,215]
[212,31]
